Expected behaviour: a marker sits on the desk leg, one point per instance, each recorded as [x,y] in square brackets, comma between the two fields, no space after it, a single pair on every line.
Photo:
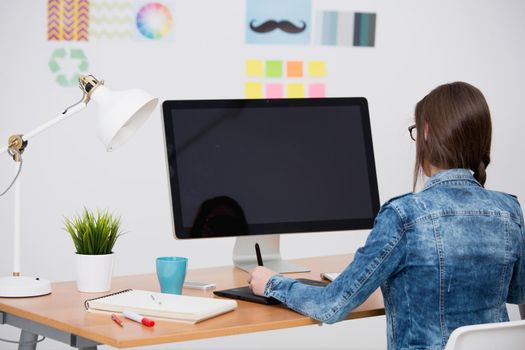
[82,343]
[27,340]
[31,330]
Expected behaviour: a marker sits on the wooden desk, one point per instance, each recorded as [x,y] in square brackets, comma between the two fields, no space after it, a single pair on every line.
[61,315]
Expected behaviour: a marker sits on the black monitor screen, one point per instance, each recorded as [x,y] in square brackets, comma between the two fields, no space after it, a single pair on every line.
[240,167]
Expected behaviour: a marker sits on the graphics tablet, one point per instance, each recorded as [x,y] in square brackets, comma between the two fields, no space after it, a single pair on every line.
[244,293]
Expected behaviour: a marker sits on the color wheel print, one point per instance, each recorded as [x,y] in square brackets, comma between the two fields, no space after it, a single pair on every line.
[154,20]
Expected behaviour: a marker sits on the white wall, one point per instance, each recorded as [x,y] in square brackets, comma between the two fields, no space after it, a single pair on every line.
[419,44]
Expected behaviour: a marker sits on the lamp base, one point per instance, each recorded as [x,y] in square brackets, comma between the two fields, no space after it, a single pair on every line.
[23,286]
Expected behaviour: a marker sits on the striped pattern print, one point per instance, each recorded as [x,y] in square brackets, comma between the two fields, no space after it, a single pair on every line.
[365,29]
[345,28]
[68,20]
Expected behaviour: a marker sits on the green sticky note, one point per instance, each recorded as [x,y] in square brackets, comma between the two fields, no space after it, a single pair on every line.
[274,69]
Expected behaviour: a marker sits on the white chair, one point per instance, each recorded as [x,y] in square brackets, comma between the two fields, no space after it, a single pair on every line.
[489,336]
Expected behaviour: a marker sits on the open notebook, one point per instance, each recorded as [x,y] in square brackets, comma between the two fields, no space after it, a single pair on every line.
[169,306]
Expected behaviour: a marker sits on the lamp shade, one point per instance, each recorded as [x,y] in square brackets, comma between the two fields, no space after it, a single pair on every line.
[121,113]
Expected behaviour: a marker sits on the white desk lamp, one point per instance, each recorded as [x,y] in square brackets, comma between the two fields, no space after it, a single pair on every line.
[121,114]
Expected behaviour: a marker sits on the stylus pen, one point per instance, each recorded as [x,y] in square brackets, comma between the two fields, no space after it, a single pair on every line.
[258,253]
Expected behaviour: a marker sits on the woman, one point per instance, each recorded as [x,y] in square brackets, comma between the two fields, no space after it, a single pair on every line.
[449,255]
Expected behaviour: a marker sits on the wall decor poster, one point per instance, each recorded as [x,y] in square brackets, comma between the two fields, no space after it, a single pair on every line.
[154,20]
[68,20]
[336,28]
[278,22]
[67,65]
[112,19]
[132,19]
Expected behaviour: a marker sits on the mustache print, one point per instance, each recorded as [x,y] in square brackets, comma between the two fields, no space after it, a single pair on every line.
[271,25]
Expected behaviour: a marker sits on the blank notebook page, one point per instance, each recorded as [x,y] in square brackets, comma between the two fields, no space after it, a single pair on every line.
[178,307]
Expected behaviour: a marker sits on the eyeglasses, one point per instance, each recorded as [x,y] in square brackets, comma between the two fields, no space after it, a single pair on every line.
[412,132]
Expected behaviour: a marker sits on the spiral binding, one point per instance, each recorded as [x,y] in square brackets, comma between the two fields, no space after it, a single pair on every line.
[86,302]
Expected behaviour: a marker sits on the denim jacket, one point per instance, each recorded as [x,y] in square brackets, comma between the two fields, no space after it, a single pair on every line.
[447,256]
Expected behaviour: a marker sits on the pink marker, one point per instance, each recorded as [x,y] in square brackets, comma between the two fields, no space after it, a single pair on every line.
[138,318]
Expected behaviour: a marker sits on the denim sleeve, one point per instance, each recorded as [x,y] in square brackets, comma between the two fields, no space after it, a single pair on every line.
[517,283]
[382,255]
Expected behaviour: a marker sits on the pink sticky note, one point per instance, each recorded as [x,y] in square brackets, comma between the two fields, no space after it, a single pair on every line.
[316,90]
[274,91]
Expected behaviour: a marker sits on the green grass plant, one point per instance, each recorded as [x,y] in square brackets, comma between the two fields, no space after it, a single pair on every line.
[93,234]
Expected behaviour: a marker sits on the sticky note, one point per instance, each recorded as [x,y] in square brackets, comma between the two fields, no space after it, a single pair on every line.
[295,90]
[254,68]
[294,69]
[316,90]
[316,69]
[274,69]
[253,90]
[274,91]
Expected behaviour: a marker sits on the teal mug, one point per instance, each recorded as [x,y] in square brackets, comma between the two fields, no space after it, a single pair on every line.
[171,272]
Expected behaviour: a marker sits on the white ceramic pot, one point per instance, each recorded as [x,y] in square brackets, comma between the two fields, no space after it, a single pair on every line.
[94,272]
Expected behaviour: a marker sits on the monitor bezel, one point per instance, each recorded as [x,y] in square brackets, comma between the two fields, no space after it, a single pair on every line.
[181,232]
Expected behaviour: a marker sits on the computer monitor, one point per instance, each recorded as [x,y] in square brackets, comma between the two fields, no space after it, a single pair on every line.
[256,169]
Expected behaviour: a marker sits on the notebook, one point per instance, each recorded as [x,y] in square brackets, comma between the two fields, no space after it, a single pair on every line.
[181,308]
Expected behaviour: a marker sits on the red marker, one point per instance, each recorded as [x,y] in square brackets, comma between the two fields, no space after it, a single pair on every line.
[138,318]
[117,320]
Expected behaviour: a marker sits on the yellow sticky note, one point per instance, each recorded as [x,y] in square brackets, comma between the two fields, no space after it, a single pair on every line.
[254,90]
[316,69]
[254,68]
[295,90]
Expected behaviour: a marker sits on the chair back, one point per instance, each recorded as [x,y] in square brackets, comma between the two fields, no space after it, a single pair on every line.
[489,336]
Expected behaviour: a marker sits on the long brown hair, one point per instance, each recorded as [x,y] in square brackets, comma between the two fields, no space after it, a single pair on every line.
[456,120]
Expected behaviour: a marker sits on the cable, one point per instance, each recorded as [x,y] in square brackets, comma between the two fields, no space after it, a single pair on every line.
[81,100]
[23,342]
[16,176]
[11,153]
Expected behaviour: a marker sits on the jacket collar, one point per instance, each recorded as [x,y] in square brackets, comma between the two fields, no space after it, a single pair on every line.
[451,175]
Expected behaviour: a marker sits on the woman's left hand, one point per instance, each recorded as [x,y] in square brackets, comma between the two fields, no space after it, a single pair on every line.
[258,279]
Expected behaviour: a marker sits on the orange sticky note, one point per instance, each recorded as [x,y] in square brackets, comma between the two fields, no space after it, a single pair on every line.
[294,69]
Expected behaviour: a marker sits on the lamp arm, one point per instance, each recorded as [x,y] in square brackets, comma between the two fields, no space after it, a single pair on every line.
[66,114]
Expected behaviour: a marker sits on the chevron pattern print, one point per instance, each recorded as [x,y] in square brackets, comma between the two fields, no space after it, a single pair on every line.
[112,19]
[68,20]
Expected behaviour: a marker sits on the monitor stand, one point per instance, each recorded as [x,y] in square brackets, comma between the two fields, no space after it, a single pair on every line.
[244,256]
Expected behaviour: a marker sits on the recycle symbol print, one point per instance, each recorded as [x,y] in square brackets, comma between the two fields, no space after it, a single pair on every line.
[68,66]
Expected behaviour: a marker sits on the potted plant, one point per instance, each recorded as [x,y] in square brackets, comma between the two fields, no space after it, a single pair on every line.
[94,236]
